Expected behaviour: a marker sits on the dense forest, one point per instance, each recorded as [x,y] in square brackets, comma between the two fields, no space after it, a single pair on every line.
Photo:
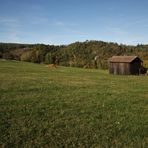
[88,54]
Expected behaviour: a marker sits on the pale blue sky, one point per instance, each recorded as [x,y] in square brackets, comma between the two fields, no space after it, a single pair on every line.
[67,21]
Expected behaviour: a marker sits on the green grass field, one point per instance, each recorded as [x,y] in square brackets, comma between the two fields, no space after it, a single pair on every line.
[145,63]
[71,107]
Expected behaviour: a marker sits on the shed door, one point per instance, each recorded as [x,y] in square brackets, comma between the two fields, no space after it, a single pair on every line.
[135,65]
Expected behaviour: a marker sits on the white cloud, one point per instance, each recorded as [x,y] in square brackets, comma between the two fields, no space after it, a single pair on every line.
[9,22]
[58,23]
[10,29]
[117,31]
[135,22]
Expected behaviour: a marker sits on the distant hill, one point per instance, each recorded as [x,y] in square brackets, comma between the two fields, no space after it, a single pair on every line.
[88,54]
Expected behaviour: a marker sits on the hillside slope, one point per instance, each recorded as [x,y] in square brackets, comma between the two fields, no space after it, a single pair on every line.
[88,54]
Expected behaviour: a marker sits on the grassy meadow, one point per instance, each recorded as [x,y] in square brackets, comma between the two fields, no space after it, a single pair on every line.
[145,63]
[71,107]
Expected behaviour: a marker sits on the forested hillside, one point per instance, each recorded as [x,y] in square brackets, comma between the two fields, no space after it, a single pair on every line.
[88,54]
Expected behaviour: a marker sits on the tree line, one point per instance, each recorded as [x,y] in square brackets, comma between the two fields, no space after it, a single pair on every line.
[88,54]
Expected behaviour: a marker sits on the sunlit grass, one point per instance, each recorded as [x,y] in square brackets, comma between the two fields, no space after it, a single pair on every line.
[145,63]
[71,107]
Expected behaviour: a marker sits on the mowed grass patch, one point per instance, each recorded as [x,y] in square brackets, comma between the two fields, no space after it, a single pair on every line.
[71,107]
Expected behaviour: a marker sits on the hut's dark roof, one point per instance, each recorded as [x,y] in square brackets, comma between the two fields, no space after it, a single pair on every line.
[124,59]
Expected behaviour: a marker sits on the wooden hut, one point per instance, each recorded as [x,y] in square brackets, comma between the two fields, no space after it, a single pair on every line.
[125,65]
